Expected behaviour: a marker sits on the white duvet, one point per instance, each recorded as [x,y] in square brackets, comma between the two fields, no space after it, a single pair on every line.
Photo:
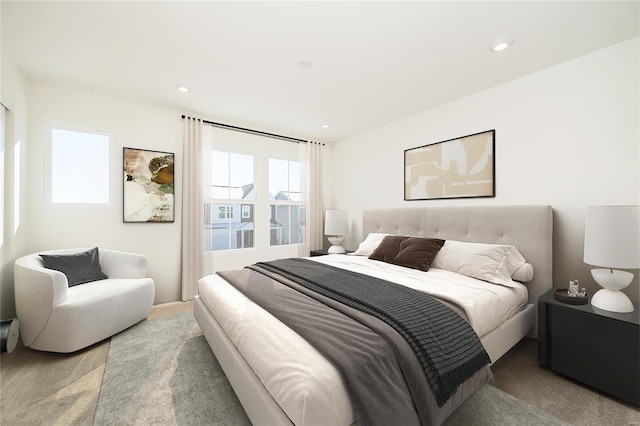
[307,386]
[486,305]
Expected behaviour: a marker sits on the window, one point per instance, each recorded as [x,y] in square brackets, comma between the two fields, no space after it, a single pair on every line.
[225,212]
[286,202]
[77,164]
[246,211]
[17,158]
[230,202]
[259,220]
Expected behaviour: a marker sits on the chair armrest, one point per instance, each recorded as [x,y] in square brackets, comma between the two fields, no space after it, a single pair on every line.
[120,264]
[33,279]
[37,291]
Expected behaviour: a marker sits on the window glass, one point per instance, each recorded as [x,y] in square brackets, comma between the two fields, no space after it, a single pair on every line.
[78,166]
[286,226]
[232,176]
[295,187]
[229,218]
[17,160]
[226,229]
[284,180]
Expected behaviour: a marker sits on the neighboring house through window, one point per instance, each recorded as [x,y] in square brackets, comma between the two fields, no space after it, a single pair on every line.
[286,202]
[232,192]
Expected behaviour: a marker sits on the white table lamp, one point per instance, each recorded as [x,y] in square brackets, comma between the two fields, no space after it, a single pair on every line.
[612,240]
[336,227]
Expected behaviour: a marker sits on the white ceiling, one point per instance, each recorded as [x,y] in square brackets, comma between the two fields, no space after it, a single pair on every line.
[373,62]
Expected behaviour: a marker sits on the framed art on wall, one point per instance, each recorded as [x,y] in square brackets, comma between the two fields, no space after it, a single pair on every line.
[456,168]
[148,189]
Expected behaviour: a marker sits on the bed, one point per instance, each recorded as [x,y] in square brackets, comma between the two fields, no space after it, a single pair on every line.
[264,363]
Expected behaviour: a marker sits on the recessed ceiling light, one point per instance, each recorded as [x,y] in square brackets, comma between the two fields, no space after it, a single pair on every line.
[183,88]
[305,63]
[326,125]
[500,44]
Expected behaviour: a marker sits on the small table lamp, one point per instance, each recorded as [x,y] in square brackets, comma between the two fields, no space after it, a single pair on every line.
[336,227]
[612,240]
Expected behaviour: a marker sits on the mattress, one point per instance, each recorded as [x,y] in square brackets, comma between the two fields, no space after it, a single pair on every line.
[308,387]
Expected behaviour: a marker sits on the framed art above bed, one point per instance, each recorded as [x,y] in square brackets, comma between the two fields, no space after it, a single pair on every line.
[456,168]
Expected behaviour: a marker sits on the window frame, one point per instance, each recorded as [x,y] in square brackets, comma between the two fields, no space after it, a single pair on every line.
[233,206]
[290,203]
[48,128]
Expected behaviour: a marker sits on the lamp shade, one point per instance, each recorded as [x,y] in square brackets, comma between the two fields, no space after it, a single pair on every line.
[612,236]
[335,222]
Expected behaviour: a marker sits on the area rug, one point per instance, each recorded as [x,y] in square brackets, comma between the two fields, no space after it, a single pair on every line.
[489,406]
[163,372]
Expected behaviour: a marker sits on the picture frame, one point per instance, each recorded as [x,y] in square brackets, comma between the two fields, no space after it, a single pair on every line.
[463,167]
[148,186]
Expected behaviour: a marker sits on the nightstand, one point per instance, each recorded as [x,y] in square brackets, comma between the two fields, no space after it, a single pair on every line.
[323,252]
[596,347]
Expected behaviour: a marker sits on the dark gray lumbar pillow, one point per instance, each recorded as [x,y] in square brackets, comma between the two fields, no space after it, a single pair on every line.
[79,268]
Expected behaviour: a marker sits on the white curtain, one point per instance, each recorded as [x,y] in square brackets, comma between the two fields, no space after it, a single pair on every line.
[209,133]
[311,158]
[192,208]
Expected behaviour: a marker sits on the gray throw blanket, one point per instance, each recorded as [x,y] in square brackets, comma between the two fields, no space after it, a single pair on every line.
[384,379]
[446,346]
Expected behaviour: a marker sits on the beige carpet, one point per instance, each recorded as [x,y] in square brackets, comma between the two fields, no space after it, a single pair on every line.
[44,388]
[39,388]
[518,374]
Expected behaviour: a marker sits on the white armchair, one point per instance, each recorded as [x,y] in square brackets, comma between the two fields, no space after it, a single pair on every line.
[57,318]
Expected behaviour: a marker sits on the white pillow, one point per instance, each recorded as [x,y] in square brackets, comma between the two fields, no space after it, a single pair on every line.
[523,274]
[370,243]
[488,262]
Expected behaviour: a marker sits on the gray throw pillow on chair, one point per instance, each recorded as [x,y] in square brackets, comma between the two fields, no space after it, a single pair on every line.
[79,268]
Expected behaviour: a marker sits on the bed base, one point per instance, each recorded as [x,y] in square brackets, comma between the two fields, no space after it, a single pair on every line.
[499,340]
[260,407]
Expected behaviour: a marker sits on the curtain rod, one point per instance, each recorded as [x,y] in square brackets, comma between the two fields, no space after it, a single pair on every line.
[252,131]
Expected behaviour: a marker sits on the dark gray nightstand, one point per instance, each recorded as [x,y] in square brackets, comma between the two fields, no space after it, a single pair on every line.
[596,347]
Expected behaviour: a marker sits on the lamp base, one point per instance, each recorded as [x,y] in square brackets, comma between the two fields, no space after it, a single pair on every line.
[610,298]
[336,248]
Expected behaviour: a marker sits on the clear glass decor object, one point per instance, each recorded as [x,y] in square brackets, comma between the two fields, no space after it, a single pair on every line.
[574,288]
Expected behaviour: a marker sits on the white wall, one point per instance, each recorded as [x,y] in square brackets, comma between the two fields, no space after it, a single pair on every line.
[567,136]
[13,91]
[132,124]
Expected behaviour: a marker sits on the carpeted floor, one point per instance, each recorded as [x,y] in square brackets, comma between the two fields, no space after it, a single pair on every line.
[55,389]
[489,406]
[162,372]
[518,374]
[42,388]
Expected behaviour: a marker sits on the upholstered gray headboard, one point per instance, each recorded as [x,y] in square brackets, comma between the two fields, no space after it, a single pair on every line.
[528,227]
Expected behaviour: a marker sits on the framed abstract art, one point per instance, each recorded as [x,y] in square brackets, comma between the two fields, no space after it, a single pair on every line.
[148,189]
[456,168]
